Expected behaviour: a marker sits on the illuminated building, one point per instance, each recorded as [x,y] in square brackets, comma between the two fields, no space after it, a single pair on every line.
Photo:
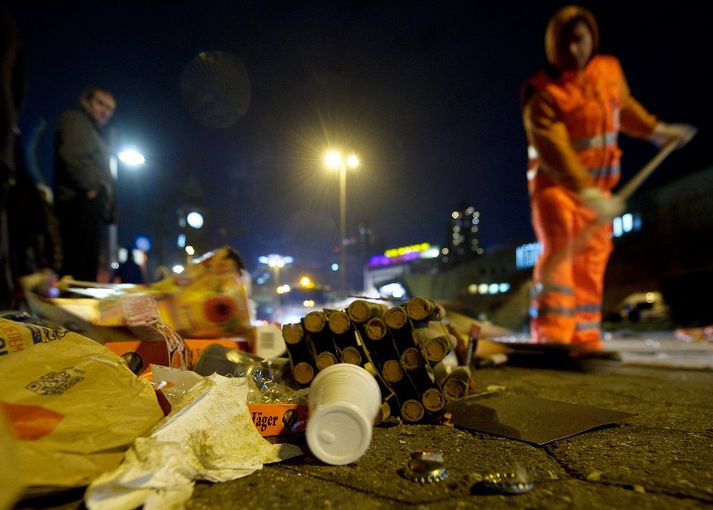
[462,243]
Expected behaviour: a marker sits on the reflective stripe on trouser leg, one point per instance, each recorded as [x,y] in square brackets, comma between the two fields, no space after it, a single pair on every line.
[553,301]
[552,318]
[589,265]
[587,329]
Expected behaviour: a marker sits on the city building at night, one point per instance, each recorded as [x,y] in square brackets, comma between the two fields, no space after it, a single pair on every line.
[462,242]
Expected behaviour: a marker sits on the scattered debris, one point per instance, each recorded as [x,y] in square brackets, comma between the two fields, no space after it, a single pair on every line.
[508,482]
[425,466]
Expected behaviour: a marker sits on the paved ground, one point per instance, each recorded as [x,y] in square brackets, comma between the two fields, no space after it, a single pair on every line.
[662,457]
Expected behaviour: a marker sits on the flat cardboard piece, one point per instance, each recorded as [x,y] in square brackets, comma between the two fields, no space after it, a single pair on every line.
[530,419]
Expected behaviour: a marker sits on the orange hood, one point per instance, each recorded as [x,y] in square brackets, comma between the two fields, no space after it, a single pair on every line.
[556,28]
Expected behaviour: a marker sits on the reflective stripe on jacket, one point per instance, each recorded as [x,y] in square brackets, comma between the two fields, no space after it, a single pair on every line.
[573,121]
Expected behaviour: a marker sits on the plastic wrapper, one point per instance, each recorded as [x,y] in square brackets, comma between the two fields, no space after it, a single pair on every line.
[10,481]
[210,299]
[270,380]
[73,406]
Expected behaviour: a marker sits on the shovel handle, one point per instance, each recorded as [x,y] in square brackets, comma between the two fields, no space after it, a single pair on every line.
[635,182]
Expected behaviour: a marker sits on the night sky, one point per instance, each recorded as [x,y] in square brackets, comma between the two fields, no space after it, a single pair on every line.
[426,94]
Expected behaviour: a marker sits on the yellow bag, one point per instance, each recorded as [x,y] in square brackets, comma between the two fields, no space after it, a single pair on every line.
[72,404]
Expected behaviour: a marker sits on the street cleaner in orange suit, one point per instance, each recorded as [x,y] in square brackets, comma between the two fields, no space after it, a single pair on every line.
[573,111]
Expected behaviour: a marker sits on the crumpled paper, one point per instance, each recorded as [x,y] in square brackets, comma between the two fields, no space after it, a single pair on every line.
[209,436]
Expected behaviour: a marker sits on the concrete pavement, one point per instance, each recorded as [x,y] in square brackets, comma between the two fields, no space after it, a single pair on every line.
[660,458]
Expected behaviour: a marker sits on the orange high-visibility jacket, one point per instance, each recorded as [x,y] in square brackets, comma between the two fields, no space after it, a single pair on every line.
[573,121]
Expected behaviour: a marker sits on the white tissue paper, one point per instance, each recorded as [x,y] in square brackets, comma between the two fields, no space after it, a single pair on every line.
[207,436]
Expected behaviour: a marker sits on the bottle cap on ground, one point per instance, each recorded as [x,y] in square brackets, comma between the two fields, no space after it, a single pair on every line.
[425,467]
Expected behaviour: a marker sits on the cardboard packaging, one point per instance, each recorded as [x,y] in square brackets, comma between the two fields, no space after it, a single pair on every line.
[278,419]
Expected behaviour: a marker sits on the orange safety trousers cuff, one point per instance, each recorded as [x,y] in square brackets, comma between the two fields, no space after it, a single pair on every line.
[568,278]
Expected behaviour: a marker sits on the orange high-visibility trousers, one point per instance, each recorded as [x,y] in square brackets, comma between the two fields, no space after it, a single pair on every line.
[568,279]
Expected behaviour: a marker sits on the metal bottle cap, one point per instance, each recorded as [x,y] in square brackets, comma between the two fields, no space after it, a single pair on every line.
[425,467]
[507,483]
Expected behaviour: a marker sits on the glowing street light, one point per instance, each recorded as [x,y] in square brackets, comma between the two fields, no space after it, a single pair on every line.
[336,161]
[131,158]
[307,283]
[194,219]
[276,262]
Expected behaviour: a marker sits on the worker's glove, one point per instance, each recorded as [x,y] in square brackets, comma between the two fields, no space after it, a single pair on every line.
[604,205]
[664,133]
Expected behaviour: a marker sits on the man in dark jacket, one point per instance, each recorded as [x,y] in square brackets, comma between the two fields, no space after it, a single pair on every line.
[84,187]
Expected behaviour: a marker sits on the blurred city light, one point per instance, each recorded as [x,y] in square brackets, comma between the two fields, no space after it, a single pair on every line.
[178,269]
[306,282]
[283,289]
[195,219]
[393,290]
[275,260]
[143,243]
[190,250]
[131,157]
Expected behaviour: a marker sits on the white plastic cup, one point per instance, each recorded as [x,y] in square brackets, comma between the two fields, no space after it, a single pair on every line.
[344,400]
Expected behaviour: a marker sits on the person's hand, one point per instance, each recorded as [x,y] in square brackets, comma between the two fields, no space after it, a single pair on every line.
[665,133]
[604,205]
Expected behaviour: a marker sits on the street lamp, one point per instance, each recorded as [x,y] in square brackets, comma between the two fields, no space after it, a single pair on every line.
[336,161]
[276,262]
[131,158]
